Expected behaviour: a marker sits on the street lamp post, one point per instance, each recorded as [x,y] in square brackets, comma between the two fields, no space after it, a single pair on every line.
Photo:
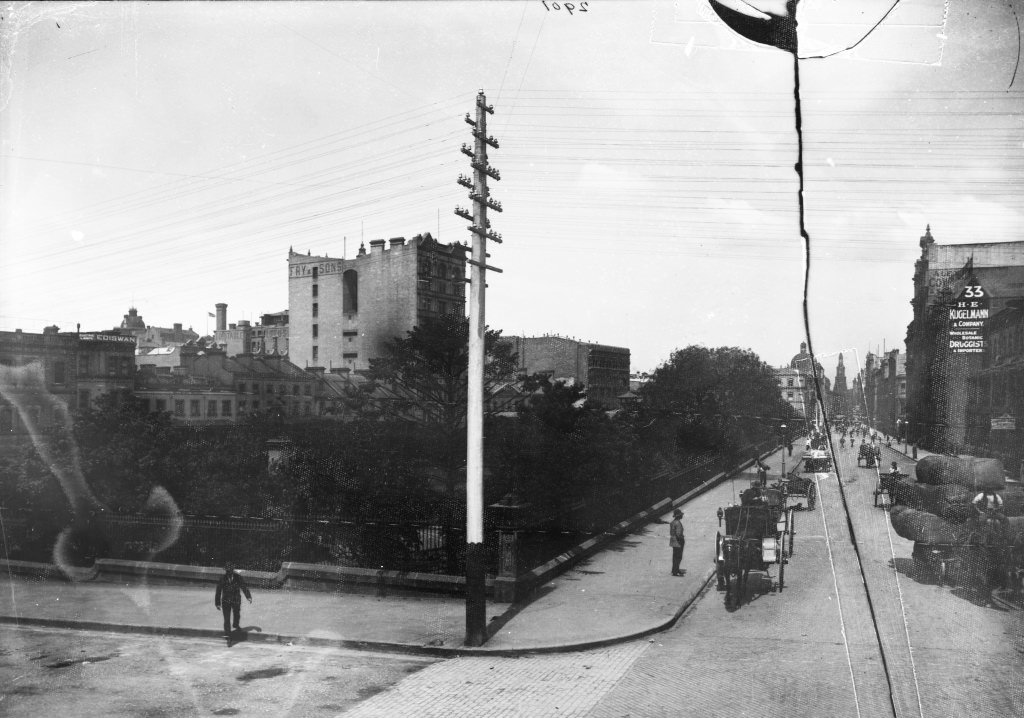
[784,445]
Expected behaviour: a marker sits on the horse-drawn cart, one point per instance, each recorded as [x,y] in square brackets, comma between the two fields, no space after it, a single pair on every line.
[887,483]
[869,454]
[802,486]
[754,540]
[817,462]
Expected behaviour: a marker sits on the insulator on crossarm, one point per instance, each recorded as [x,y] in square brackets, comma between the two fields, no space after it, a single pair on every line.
[464,213]
[467,150]
[470,120]
[465,182]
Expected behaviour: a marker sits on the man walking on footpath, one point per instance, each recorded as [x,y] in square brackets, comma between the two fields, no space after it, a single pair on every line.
[228,597]
[676,540]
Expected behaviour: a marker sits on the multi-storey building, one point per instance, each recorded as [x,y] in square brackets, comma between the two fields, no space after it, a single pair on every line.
[211,387]
[341,312]
[997,412]
[51,375]
[799,382]
[149,337]
[269,336]
[602,369]
[941,379]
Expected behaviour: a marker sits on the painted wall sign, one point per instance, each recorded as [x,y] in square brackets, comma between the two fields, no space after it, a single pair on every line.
[967,317]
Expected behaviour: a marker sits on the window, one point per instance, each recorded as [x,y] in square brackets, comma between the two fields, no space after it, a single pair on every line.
[350,291]
[295,389]
[316,309]
[83,365]
[161,404]
[315,290]
[350,355]
[255,388]
[308,409]
[789,395]
[243,406]
[241,387]
[179,407]
[281,388]
[83,399]
[59,372]
[225,407]
[316,330]
[255,406]
[789,382]
[144,404]
[193,407]
[306,390]
[316,270]
[125,371]
[316,354]
[211,407]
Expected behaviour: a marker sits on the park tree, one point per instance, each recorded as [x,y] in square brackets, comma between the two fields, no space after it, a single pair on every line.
[422,379]
[711,400]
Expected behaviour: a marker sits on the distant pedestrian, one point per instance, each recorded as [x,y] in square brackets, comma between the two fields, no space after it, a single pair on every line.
[228,597]
[790,447]
[762,474]
[676,540]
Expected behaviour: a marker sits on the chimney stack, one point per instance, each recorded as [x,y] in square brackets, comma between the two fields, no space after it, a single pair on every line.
[222,316]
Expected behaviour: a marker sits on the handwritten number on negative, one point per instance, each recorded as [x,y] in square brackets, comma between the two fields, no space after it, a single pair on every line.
[570,7]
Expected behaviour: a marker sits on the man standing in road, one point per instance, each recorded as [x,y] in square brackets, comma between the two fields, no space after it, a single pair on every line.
[676,540]
[228,597]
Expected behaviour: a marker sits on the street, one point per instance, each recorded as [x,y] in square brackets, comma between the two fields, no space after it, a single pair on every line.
[48,672]
[822,646]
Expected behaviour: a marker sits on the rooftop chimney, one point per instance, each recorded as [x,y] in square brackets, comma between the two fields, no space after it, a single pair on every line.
[222,316]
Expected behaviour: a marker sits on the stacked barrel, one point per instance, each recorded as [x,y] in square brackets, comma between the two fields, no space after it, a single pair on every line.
[934,508]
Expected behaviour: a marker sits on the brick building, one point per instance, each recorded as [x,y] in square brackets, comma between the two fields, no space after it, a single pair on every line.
[602,369]
[211,388]
[942,404]
[149,337]
[268,336]
[997,412]
[342,311]
[75,369]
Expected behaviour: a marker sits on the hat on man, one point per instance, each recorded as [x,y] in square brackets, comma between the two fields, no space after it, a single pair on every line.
[677,513]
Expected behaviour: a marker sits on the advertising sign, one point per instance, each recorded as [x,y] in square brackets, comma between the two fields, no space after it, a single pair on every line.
[1004,423]
[967,317]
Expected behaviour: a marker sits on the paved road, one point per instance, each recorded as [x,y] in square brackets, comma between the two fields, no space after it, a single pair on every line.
[807,648]
[51,672]
[948,653]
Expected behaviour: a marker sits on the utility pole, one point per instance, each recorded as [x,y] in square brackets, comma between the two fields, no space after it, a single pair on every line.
[476,601]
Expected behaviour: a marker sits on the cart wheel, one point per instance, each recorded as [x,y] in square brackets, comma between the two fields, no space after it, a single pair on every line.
[812,497]
[782,575]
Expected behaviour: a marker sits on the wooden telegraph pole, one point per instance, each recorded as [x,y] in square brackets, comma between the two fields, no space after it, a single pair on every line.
[476,602]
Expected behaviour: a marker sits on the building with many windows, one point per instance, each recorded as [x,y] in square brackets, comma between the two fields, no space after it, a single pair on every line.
[268,336]
[51,375]
[943,411]
[602,369]
[341,312]
[211,388]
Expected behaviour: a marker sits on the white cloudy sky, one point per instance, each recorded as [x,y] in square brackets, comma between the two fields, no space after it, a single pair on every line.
[167,155]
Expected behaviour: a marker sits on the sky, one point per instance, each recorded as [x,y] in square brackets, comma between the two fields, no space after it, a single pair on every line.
[166,156]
